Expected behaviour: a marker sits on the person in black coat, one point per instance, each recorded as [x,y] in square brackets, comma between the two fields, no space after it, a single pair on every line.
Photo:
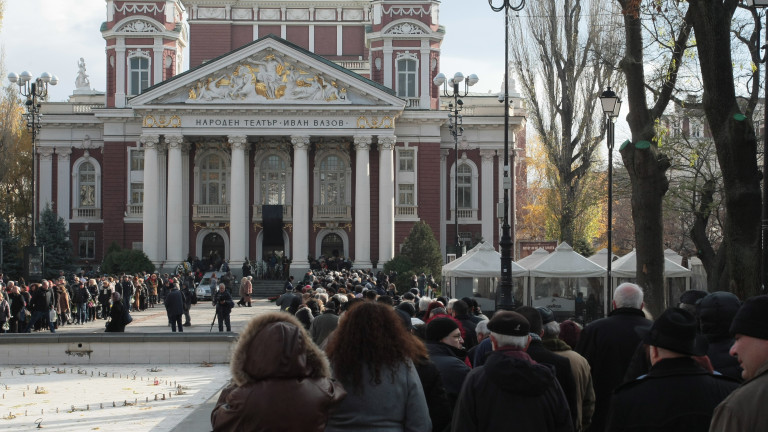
[677,394]
[716,312]
[224,304]
[609,344]
[511,392]
[40,304]
[445,347]
[174,307]
[541,354]
[116,323]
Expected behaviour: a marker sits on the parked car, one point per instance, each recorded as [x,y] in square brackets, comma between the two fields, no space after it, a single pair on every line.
[204,290]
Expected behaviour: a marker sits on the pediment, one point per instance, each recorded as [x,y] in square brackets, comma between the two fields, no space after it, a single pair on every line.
[269,71]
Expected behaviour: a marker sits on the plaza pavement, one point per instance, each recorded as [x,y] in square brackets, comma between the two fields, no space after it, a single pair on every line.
[73,399]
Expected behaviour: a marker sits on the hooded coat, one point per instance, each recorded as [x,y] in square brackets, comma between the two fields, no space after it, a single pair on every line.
[511,392]
[275,369]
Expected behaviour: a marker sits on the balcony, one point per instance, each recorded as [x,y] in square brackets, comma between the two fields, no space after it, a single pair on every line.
[407,212]
[210,212]
[134,210]
[287,213]
[467,214]
[342,213]
[412,103]
[86,213]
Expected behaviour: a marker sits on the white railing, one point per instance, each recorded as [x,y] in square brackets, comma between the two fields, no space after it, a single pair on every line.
[406,211]
[468,214]
[287,213]
[353,64]
[85,109]
[86,213]
[134,210]
[336,212]
[210,212]
[413,103]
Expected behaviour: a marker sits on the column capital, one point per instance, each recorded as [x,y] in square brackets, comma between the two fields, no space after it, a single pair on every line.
[444,154]
[363,142]
[173,141]
[150,141]
[487,155]
[45,152]
[64,152]
[387,142]
[300,142]
[237,142]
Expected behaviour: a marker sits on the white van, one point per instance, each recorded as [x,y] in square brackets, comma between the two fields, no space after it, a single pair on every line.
[204,290]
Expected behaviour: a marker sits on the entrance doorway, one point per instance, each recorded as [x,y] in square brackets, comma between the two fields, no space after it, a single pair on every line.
[213,249]
[332,246]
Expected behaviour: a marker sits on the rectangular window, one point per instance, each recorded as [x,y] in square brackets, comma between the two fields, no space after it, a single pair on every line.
[137,160]
[87,244]
[139,75]
[405,195]
[137,193]
[406,78]
[406,160]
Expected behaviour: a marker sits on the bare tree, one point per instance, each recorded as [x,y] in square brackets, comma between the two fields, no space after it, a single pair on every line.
[564,54]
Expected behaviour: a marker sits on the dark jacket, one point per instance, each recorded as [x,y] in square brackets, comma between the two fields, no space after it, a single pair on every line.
[608,344]
[174,303]
[81,295]
[223,302]
[450,362]
[470,336]
[280,380]
[42,300]
[116,322]
[440,408]
[511,392]
[323,325]
[677,395]
[563,373]
[17,302]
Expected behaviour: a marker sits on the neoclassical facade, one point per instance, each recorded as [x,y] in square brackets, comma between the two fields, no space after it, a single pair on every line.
[301,129]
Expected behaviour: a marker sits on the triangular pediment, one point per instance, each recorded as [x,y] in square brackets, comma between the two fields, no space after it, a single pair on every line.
[270,72]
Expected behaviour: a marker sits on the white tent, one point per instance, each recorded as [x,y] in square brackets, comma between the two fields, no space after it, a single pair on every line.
[478,273]
[534,258]
[562,279]
[626,268]
[601,257]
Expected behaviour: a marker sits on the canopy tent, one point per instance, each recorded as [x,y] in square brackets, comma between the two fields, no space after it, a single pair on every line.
[698,273]
[601,257]
[626,268]
[534,258]
[477,273]
[563,279]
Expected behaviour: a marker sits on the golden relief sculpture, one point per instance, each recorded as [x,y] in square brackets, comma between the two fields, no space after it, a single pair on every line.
[374,123]
[161,121]
[268,77]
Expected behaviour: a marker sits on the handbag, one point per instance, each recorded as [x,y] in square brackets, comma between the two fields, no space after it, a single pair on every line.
[6,326]
[52,315]
[127,318]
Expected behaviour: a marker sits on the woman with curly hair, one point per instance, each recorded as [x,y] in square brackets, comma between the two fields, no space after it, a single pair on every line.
[372,354]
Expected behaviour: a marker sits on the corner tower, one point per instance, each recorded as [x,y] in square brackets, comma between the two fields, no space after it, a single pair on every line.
[404,42]
[145,41]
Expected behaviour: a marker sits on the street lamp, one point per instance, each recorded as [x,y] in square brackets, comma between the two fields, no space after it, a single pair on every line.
[35,91]
[764,226]
[611,107]
[455,122]
[507,241]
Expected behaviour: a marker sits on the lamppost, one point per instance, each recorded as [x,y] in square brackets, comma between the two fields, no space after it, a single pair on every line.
[764,226]
[455,122]
[35,91]
[611,107]
[507,241]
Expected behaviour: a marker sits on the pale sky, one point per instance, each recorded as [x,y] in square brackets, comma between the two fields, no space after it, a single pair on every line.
[66,30]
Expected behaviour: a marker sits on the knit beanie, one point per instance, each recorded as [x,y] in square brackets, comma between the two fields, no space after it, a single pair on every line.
[439,328]
[752,318]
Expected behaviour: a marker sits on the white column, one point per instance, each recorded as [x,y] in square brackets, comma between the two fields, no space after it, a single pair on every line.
[300,205]
[157,60]
[162,165]
[312,37]
[246,204]
[425,82]
[386,199]
[339,40]
[486,184]
[151,197]
[45,186]
[62,184]
[363,202]
[174,225]
[185,198]
[120,73]
[443,199]
[238,225]
[387,51]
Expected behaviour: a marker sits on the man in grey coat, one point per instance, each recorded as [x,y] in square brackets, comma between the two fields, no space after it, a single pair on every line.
[174,307]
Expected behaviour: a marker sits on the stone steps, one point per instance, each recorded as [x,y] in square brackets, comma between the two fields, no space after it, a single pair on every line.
[267,288]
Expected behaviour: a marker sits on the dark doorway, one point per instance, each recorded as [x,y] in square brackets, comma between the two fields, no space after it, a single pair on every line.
[332,246]
[213,249]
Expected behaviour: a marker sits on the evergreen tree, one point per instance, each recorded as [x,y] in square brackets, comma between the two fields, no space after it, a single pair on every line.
[11,263]
[421,251]
[53,235]
[118,261]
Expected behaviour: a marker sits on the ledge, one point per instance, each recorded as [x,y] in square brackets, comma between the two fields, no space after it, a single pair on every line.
[40,338]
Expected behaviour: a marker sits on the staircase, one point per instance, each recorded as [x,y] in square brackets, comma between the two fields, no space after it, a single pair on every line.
[267,288]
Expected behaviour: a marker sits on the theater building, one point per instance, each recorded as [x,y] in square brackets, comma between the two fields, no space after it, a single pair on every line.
[302,128]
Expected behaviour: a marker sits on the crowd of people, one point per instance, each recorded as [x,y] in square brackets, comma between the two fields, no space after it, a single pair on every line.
[355,357]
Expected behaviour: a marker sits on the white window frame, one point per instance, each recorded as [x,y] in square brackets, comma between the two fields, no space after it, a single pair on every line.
[258,162]
[404,212]
[474,189]
[76,187]
[408,58]
[138,54]
[81,236]
[227,169]
[321,156]
[134,177]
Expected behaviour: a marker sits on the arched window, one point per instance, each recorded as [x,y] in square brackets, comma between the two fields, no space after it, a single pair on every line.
[464,185]
[86,185]
[332,246]
[273,180]
[333,181]
[213,180]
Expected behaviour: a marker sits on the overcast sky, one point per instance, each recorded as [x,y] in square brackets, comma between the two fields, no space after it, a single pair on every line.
[69,29]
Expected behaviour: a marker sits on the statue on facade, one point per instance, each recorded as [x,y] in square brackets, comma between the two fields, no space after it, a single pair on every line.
[82,81]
